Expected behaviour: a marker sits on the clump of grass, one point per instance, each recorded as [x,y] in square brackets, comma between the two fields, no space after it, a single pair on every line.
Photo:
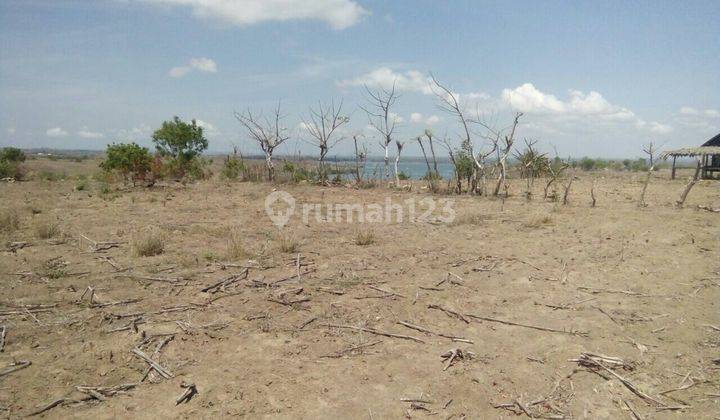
[288,244]
[235,248]
[9,220]
[364,238]
[148,244]
[469,219]
[46,229]
[539,220]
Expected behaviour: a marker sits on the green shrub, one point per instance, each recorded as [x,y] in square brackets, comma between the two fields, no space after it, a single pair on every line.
[10,169]
[182,143]
[129,160]
[232,168]
[12,154]
[403,176]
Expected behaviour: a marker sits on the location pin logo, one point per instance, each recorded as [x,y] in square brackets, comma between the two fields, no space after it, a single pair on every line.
[279,218]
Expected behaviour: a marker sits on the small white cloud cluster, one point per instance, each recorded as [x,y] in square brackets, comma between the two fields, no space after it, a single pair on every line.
[84,133]
[527,98]
[418,118]
[56,132]
[205,65]
[709,113]
[386,78]
[339,14]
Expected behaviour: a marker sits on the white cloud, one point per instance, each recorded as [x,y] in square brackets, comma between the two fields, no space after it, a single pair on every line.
[688,110]
[384,77]
[205,65]
[11,131]
[528,99]
[85,133]
[56,132]
[432,120]
[712,113]
[654,127]
[208,129]
[339,14]
[418,118]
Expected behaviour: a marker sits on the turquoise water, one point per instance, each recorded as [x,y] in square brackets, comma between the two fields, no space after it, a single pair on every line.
[413,169]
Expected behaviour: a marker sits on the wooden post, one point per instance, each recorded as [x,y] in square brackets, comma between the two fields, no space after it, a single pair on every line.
[704,165]
[672,175]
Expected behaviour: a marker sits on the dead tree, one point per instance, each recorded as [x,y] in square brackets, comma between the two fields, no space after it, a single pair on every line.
[555,170]
[360,157]
[690,184]
[449,103]
[508,141]
[380,103]
[399,146]
[432,174]
[322,126]
[532,164]
[567,186]
[651,151]
[267,132]
[429,135]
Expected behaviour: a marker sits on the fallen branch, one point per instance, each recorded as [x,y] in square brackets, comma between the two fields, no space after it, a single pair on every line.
[155,365]
[374,331]
[15,366]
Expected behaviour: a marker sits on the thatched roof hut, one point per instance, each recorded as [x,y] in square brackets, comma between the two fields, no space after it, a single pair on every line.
[708,153]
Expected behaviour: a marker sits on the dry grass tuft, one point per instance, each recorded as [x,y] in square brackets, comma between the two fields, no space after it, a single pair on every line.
[46,229]
[364,238]
[149,244]
[469,219]
[539,220]
[288,244]
[235,248]
[9,220]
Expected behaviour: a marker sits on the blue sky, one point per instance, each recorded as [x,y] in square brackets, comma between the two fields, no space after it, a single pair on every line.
[592,78]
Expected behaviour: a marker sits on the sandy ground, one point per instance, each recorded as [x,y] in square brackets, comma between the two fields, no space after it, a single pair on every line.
[639,284]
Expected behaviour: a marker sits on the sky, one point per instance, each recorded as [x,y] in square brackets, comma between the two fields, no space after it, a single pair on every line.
[591,78]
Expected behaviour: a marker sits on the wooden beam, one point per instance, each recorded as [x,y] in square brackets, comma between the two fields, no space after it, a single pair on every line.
[672,175]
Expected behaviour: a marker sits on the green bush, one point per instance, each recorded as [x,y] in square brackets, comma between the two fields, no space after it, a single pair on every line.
[10,163]
[232,168]
[12,154]
[129,160]
[403,176]
[183,143]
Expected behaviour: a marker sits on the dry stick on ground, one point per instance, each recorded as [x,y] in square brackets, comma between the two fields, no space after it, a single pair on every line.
[451,313]
[155,365]
[220,285]
[374,331]
[156,353]
[592,194]
[689,186]
[425,330]
[22,364]
[534,327]
[342,353]
[389,292]
[593,362]
[567,186]
[3,334]
[190,390]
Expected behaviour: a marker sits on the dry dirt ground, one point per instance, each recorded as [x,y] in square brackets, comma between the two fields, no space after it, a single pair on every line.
[528,286]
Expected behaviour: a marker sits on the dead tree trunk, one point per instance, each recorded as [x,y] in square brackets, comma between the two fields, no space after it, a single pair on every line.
[689,186]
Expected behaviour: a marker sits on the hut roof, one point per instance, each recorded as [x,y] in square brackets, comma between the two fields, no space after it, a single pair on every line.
[715,141]
[710,147]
